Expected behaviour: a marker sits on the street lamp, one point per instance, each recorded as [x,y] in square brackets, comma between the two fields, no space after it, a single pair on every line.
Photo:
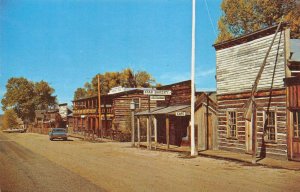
[132,108]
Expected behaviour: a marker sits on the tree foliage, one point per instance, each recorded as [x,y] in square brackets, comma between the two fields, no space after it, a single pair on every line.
[43,95]
[10,119]
[125,78]
[24,96]
[245,16]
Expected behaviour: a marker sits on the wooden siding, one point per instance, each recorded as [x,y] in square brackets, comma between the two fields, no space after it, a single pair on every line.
[237,66]
[236,103]
[121,109]
[294,96]
[181,94]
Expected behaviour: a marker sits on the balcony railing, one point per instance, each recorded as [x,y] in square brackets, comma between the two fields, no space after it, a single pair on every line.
[91,111]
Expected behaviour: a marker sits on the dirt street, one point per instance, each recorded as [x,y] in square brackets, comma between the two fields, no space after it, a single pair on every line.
[28,160]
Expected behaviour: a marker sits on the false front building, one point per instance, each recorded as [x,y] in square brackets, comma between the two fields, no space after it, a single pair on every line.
[238,64]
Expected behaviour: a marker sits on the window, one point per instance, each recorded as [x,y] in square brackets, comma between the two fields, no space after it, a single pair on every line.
[231,124]
[296,124]
[270,126]
[137,103]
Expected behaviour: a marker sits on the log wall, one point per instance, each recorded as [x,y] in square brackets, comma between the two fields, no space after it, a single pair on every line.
[181,94]
[121,109]
[237,68]
[236,103]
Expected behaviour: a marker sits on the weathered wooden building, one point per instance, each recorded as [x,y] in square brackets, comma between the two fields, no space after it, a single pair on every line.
[293,102]
[86,115]
[238,64]
[168,123]
[45,120]
[115,113]
[206,121]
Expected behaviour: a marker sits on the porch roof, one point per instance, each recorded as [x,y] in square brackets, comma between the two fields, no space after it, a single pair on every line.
[171,110]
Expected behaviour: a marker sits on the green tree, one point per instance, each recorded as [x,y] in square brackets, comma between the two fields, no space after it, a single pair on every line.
[19,96]
[108,80]
[80,93]
[10,119]
[144,79]
[43,95]
[25,96]
[245,16]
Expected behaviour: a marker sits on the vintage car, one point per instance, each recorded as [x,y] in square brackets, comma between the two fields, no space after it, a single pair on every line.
[58,133]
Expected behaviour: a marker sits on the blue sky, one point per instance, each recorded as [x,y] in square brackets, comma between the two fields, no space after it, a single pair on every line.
[67,42]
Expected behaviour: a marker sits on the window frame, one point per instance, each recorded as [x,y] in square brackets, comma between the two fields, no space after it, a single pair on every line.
[228,125]
[135,103]
[297,115]
[267,126]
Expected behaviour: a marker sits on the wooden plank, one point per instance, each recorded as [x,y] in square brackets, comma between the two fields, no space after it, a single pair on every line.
[168,131]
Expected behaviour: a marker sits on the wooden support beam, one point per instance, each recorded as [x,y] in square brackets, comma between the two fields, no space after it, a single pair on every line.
[138,132]
[99,107]
[254,134]
[168,131]
[132,128]
[148,132]
[155,131]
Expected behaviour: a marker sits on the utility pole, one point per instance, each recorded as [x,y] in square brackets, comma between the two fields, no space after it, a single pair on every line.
[193,149]
[99,107]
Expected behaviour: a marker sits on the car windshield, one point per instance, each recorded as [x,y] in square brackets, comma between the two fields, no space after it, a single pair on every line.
[58,130]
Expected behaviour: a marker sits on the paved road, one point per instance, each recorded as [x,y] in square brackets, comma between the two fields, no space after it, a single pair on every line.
[23,170]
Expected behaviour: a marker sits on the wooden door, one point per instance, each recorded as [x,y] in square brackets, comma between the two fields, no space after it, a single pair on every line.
[248,136]
[210,132]
[296,135]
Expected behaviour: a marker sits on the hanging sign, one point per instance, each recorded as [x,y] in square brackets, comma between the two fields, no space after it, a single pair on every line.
[157,92]
[157,98]
[181,114]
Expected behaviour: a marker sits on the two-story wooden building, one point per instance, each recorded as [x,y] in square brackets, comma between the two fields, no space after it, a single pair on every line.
[115,112]
[238,64]
[86,115]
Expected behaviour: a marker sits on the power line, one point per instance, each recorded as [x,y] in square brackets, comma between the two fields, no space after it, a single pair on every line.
[211,21]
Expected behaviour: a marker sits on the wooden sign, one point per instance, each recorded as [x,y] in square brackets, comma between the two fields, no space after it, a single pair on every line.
[157,92]
[181,114]
[157,98]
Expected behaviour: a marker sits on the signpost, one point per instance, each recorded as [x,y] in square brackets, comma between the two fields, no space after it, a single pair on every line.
[180,114]
[157,97]
[157,92]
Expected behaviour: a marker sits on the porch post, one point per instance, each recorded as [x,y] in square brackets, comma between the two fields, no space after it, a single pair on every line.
[81,127]
[138,131]
[96,126]
[168,131]
[155,131]
[148,132]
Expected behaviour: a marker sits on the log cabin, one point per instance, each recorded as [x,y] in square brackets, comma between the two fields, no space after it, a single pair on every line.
[168,123]
[238,62]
